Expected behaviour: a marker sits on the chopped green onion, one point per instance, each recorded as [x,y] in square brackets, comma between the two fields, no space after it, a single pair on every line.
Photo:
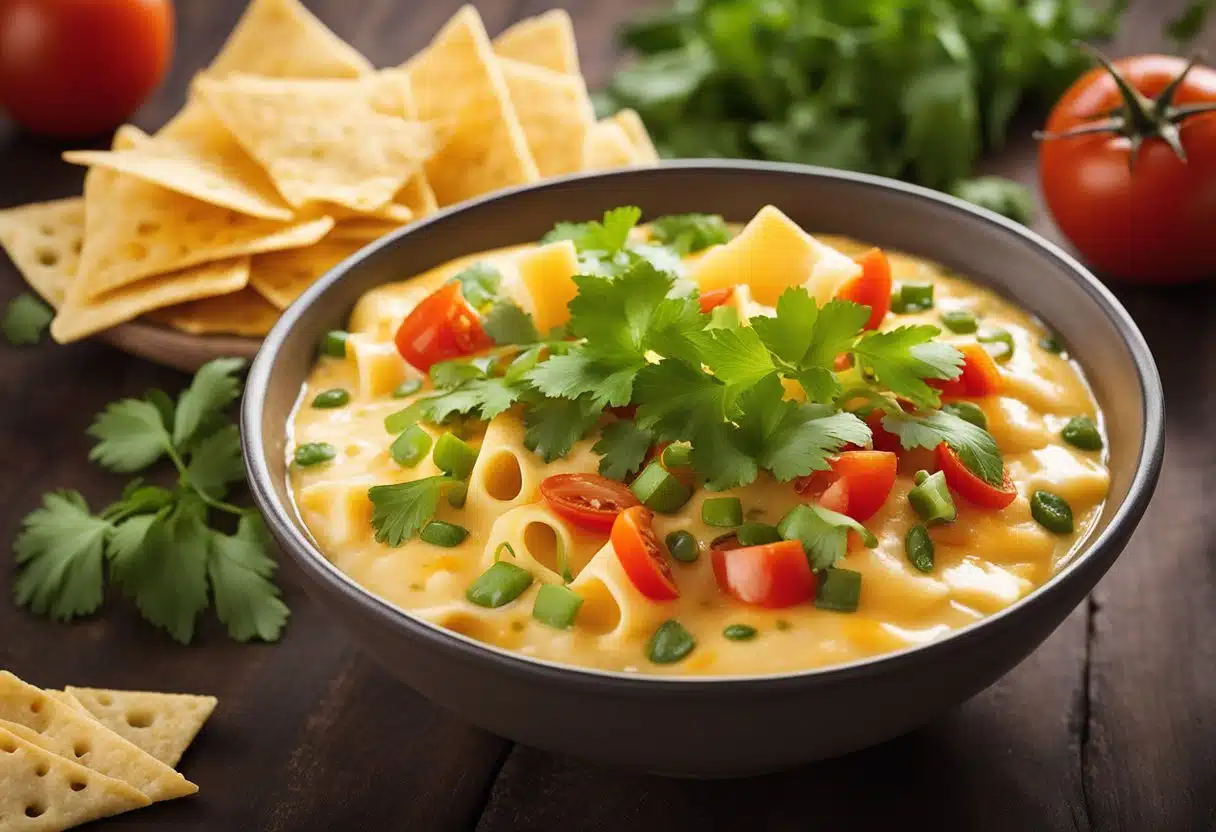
[960,321]
[1051,344]
[498,551]
[757,534]
[454,456]
[670,643]
[439,533]
[919,548]
[739,632]
[920,476]
[410,447]
[407,388]
[337,397]
[931,499]
[314,453]
[724,317]
[1000,337]
[399,420]
[912,297]
[723,512]
[968,412]
[1052,512]
[458,493]
[333,343]
[660,490]
[556,606]
[839,590]
[501,584]
[1081,432]
[683,546]
[677,455]
[562,561]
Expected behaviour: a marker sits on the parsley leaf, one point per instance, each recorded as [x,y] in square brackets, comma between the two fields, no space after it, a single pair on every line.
[824,534]
[507,323]
[216,462]
[400,510]
[736,356]
[901,359]
[131,436]
[975,446]
[59,551]
[575,374]
[688,233]
[25,319]
[479,283]
[608,236]
[554,425]
[240,571]
[807,339]
[622,447]
[214,388]
[454,372]
[486,397]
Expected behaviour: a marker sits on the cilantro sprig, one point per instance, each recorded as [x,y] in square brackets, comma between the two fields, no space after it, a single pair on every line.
[157,544]
[25,319]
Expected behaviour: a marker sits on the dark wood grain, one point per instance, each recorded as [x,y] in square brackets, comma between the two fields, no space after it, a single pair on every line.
[1109,726]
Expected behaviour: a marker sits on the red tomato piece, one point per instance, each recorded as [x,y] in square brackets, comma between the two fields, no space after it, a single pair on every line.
[714,298]
[970,486]
[442,327]
[884,440]
[587,500]
[772,575]
[865,479]
[872,287]
[980,375]
[637,548]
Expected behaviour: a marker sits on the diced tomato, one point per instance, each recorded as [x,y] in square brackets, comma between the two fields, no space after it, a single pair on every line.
[980,375]
[872,287]
[884,440]
[970,486]
[637,548]
[714,298]
[865,477]
[772,575]
[587,500]
[441,327]
[836,497]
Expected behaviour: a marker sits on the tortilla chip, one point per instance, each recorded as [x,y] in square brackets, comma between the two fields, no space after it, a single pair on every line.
[43,792]
[44,240]
[607,146]
[456,81]
[283,276]
[282,39]
[197,157]
[72,735]
[631,123]
[162,724]
[546,40]
[417,194]
[322,141]
[554,111]
[361,230]
[80,317]
[244,312]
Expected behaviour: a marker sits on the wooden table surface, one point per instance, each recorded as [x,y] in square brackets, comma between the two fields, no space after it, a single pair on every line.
[1110,725]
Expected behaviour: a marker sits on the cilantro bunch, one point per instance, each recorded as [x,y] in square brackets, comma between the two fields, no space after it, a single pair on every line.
[156,544]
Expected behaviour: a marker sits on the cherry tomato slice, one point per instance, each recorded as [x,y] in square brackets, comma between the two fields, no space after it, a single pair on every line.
[772,575]
[638,550]
[884,440]
[714,298]
[587,500]
[970,486]
[980,376]
[872,287]
[866,478]
[442,327]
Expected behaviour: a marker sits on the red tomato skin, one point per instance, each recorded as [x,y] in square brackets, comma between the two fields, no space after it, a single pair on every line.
[72,68]
[714,298]
[1152,224]
[980,375]
[640,555]
[571,495]
[773,576]
[883,439]
[969,486]
[443,326]
[865,479]
[872,287]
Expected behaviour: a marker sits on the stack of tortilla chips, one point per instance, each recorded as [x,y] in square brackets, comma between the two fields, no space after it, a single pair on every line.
[291,153]
[71,756]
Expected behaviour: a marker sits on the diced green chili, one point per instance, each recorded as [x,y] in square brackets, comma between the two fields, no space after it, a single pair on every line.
[439,533]
[333,343]
[1081,432]
[757,534]
[410,447]
[677,455]
[960,321]
[660,490]
[670,643]
[399,420]
[1000,337]
[739,632]
[1051,344]
[919,548]
[556,606]
[458,492]
[1052,512]
[839,590]
[501,584]
[912,297]
[968,412]
[314,453]
[683,546]
[454,456]
[337,397]
[930,498]
[723,512]
[407,388]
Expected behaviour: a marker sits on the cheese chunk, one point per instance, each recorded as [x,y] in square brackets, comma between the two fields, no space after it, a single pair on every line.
[546,279]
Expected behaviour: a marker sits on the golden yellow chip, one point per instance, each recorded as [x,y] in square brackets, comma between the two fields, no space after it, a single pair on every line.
[361,230]
[546,40]
[44,240]
[41,791]
[244,312]
[554,111]
[282,276]
[322,141]
[417,194]
[282,39]
[162,724]
[631,123]
[456,82]
[607,146]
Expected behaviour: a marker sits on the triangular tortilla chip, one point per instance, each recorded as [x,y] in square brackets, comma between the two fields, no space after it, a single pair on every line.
[44,240]
[631,123]
[361,230]
[239,313]
[456,82]
[607,146]
[546,40]
[554,111]
[417,194]
[72,735]
[322,140]
[197,157]
[42,792]
[282,39]
[162,724]
[282,276]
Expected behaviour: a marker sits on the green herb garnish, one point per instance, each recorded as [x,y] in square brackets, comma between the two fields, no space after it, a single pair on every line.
[25,319]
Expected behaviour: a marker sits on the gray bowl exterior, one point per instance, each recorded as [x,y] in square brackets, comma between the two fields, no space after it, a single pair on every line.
[724,725]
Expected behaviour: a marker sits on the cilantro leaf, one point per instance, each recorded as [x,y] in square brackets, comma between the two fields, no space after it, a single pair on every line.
[736,356]
[808,339]
[453,373]
[131,436]
[675,399]
[608,236]
[164,405]
[804,438]
[901,359]
[996,193]
[216,462]
[688,233]
[214,388]
[25,319]
[507,323]
[554,425]
[486,397]
[479,283]
[622,448]
[975,446]
[824,534]
[59,553]
[240,571]
[575,374]
[400,510]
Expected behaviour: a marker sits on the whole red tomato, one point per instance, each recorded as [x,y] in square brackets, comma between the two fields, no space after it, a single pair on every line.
[1140,214]
[80,67]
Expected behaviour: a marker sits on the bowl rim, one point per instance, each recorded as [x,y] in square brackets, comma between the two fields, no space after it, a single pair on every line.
[319,568]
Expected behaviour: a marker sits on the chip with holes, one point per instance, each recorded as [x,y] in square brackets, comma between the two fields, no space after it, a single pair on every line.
[43,240]
[244,312]
[282,276]
[162,724]
[282,39]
